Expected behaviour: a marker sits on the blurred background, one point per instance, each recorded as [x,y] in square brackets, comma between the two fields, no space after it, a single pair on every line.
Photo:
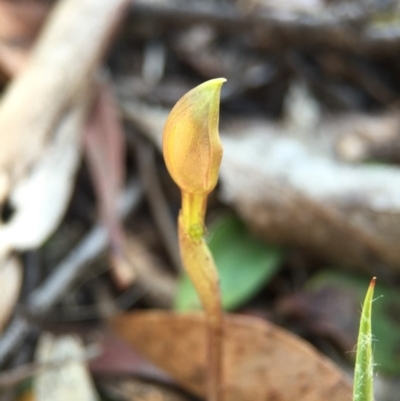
[306,212]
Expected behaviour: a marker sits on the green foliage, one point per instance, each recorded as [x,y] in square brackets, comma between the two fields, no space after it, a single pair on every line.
[386,326]
[363,372]
[245,264]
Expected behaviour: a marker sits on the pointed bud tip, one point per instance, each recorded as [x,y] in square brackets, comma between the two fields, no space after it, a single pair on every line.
[372,283]
[212,84]
[215,81]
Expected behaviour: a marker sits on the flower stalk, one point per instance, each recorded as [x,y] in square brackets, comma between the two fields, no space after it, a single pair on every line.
[193,152]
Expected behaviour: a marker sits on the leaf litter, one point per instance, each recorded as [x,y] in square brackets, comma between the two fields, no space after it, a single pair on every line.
[298,180]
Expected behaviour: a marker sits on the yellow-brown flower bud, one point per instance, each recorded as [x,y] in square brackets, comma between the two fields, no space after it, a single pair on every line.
[191,145]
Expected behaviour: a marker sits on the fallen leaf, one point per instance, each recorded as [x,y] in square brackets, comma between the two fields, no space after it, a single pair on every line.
[244,264]
[104,144]
[261,361]
[120,359]
[71,379]
[10,285]
[41,197]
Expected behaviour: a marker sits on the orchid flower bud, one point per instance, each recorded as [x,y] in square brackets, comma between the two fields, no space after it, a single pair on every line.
[193,151]
[191,145]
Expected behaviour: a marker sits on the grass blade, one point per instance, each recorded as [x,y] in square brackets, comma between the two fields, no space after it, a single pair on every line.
[363,375]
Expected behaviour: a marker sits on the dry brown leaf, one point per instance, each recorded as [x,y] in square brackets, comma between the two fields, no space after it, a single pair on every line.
[261,361]
[69,381]
[10,285]
[104,143]
[117,358]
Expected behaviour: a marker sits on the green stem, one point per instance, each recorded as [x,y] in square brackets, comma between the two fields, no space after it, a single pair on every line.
[201,269]
[194,209]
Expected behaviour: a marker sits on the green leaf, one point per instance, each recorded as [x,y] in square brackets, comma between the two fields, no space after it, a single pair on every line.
[363,373]
[386,318]
[245,264]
